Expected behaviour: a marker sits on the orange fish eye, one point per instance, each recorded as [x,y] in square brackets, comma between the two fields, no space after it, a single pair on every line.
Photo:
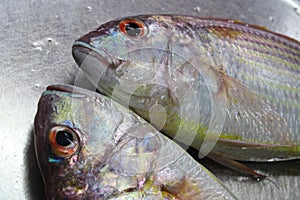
[64,141]
[133,28]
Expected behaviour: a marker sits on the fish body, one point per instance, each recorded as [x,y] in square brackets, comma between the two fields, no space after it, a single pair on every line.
[230,86]
[89,147]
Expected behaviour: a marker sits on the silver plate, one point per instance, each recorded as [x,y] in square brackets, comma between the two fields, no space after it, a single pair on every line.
[35,51]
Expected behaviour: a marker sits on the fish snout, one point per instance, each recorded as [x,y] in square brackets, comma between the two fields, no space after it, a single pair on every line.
[80,53]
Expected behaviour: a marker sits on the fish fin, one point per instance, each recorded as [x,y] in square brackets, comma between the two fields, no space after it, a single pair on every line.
[235,165]
[253,115]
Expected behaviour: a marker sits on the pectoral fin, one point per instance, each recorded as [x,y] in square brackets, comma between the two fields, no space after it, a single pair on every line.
[237,166]
[252,116]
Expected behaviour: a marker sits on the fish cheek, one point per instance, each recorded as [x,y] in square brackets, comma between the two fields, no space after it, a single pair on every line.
[65,178]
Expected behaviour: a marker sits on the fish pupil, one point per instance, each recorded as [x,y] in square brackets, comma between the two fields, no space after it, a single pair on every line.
[133,29]
[64,138]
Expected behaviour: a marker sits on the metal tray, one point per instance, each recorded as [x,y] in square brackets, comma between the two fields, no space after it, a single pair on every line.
[35,51]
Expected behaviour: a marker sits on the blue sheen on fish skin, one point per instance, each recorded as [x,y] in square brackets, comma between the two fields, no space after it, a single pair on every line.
[114,33]
[68,123]
[55,160]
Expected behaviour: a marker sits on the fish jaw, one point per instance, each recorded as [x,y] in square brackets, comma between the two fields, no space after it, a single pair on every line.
[131,89]
[94,63]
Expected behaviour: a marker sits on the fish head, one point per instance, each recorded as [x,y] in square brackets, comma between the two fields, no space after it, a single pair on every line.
[139,61]
[115,46]
[121,42]
[71,142]
[79,140]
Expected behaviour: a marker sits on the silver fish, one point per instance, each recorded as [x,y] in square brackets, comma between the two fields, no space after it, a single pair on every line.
[89,147]
[227,88]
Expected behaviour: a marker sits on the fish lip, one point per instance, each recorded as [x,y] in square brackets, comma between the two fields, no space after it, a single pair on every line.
[61,88]
[93,62]
[71,89]
[81,50]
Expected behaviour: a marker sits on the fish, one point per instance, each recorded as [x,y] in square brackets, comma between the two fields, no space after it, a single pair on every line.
[90,147]
[227,88]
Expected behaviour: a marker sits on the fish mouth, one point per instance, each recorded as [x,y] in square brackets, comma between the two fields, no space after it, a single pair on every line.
[82,51]
[94,62]
[70,90]
[60,88]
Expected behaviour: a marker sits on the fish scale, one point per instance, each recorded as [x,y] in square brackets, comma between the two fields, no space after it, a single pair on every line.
[272,88]
[252,72]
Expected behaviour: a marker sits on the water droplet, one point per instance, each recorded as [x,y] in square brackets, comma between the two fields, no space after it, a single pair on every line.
[297,10]
[88,8]
[197,9]
[242,178]
[38,48]
[37,45]
[36,86]
[271,18]
[158,116]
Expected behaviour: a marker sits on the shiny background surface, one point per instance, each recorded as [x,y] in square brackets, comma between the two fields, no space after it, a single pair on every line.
[35,51]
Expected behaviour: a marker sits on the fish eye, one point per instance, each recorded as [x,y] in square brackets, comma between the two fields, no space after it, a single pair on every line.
[64,141]
[133,28]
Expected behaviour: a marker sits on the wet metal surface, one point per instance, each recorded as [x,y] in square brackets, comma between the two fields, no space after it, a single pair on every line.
[36,39]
